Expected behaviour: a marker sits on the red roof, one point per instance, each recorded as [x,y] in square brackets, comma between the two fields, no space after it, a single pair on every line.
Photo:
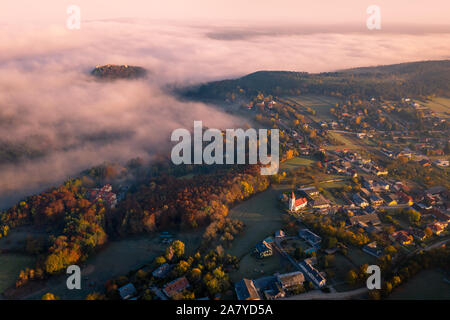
[176,286]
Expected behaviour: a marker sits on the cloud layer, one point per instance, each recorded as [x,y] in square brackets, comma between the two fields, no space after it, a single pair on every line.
[49,101]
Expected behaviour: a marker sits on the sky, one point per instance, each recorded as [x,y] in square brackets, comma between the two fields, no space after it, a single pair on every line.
[321,12]
[49,101]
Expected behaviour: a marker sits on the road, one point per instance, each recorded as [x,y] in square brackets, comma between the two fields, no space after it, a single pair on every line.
[319,295]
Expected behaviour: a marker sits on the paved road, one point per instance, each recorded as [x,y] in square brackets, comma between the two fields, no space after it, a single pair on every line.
[319,295]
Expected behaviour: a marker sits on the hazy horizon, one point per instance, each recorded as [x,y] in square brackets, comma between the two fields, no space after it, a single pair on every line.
[47,96]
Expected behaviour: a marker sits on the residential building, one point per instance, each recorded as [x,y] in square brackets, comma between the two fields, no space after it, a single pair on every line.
[176,286]
[127,291]
[401,237]
[313,274]
[290,280]
[263,249]
[245,290]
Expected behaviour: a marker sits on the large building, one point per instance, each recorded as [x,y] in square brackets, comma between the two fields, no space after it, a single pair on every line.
[246,290]
[297,202]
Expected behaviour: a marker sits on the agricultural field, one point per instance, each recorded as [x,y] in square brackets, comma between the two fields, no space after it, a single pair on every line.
[10,266]
[427,285]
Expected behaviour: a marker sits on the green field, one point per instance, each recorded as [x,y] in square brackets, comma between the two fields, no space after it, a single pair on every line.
[320,104]
[252,268]
[117,259]
[439,105]
[427,285]
[296,162]
[262,218]
[348,142]
[10,266]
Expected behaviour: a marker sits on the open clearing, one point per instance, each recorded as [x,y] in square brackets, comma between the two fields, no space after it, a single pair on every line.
[427,285]
[10,266]
[296,162]
[440,105]
[262,218]
[321,104]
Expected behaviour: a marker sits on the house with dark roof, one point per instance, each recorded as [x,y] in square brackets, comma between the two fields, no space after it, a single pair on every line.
[246,290]
[375,200]
[162,271]
[263,249]
[320,202]
[365,220]
[310,237]
[359,201]
[127,291]
[373,250]
[313,274]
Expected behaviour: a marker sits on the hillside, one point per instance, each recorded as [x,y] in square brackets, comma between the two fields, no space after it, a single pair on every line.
[391,81]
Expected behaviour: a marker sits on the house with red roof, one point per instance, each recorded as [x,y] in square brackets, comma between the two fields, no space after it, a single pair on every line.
[176,286]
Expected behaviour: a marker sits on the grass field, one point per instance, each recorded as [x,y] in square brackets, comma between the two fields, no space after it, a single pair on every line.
[252,268]
[262,218]
[117,259]
[10,266]
[440,105]
[348,142]
[320,104]
[427,285]
[296,162]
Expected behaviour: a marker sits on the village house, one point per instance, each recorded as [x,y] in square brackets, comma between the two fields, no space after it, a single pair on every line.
[401,237]
[263,249]
[289,281]
[245,290]
[162,271]
[369,222]
[359,201]
[127,291]
[103,194]
[373,250]
[437,227]
[313,274]
[418,234]
[279,234]
[176,286]
[375,200]
[310,237]
[390,199]
[320,203]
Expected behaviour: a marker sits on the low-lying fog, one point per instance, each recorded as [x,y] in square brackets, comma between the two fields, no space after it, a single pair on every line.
[49,103]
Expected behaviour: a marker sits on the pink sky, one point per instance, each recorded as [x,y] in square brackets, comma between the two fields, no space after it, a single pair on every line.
[323,12]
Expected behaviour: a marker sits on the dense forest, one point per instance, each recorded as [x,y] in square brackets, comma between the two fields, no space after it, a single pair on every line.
[388,82]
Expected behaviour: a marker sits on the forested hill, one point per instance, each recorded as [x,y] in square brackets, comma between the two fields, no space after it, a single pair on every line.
[391,81]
